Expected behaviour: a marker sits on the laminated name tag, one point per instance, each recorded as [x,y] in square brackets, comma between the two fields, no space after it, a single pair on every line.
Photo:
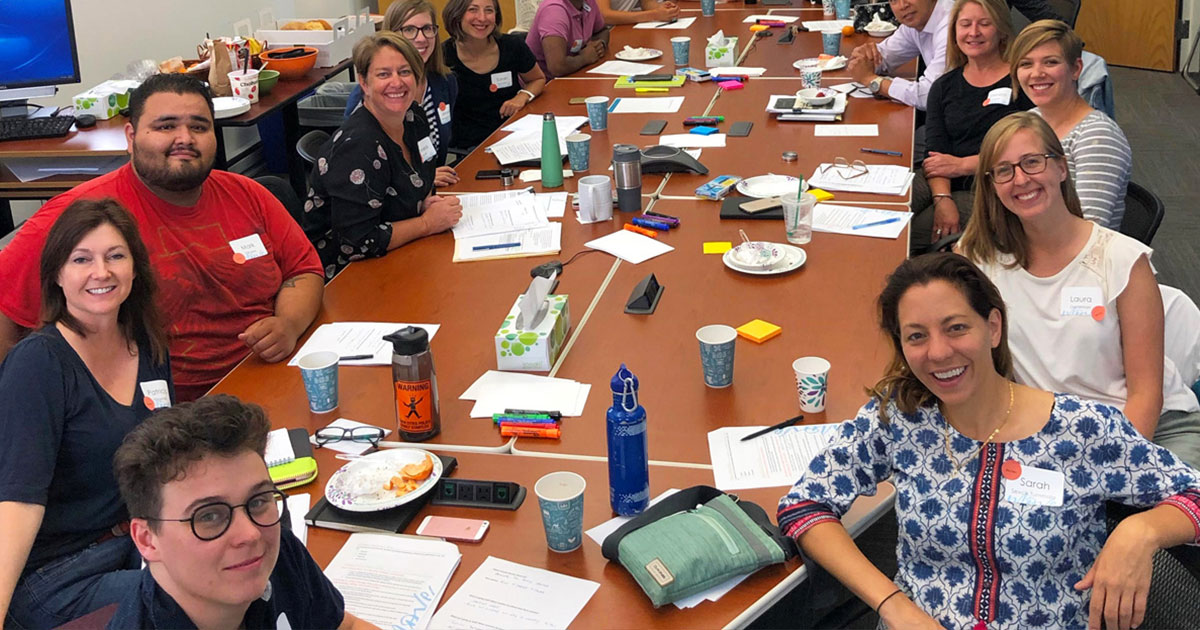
[1032,486]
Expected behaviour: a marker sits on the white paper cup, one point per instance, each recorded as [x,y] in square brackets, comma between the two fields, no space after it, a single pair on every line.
[245,84]
[812,380]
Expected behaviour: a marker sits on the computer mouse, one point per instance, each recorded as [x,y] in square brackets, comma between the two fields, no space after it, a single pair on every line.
[85,121]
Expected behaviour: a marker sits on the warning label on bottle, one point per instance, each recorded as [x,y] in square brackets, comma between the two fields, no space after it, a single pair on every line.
[414,406]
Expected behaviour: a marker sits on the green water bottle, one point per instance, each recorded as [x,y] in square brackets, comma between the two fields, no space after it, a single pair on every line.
[552,169]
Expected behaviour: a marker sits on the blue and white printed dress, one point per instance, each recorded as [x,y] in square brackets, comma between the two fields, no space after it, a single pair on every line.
[966,555]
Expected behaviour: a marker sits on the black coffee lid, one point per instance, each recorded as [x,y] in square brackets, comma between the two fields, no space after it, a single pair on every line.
[626,153]
[409,340]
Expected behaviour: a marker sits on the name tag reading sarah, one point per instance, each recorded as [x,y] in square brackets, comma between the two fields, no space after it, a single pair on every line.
[1032,486]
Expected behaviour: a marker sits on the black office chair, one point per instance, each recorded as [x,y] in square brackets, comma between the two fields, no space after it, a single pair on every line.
[1068,9]
[286,195]
[1143,213]
[311,145]
[1174,597]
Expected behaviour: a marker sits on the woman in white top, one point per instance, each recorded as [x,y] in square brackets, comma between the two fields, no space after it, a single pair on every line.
[1085,313]
[1046,60]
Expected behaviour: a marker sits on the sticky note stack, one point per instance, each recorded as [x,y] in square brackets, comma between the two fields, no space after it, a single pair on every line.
[758,330]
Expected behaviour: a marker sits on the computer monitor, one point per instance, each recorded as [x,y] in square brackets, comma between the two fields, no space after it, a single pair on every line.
[37,49]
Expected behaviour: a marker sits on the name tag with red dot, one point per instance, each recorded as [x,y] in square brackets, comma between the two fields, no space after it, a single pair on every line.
[1083,302]
[444,113]
[247,248]
[501,80]
[155,394]
[1032,486]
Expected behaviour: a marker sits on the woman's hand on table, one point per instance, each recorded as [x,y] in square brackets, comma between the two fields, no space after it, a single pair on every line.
[514,104]
[665,12]
[900,612]
[1120,578]
[441,213]
[445,176]
[945,218]
[945,165]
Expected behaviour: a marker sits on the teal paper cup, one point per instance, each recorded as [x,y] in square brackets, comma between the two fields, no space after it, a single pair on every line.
[681,47]
[578,150]
[842,9]
[717,343]
[597,111]
[560,497]
[708,7]
[320,373]
[831,43]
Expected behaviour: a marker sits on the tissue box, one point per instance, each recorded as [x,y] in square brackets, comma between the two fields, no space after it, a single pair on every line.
[105,100]
[535,349]
[721,56]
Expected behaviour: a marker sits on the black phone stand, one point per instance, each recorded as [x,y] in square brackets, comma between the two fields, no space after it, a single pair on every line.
[645,296]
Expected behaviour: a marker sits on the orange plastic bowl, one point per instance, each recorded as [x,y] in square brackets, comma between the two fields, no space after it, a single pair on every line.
[293,68]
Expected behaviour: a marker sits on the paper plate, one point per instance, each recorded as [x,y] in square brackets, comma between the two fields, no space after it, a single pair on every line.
[758,255]
[230,106]
[793,259]
[358,486]
[638,54]
[764,186]
[880,32]
[833,63]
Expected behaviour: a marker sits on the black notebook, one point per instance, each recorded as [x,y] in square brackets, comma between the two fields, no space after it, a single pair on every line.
[392,521]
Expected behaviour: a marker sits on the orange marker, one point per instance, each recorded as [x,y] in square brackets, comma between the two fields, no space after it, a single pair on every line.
[552,433]
[644,232]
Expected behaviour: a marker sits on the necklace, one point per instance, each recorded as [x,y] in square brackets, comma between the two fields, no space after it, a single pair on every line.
[1007,415]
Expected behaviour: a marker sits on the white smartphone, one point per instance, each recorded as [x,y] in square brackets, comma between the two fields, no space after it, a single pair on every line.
[450,528]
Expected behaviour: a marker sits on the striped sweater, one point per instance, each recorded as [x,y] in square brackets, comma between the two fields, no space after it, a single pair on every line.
[1101,161]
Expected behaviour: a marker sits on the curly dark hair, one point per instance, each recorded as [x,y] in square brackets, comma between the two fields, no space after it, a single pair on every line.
[159,450]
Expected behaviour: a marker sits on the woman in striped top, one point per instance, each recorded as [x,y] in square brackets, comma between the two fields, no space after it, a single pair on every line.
[1046,61]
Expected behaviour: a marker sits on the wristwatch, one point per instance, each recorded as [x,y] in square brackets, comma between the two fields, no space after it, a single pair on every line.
[875,85]
[531,95]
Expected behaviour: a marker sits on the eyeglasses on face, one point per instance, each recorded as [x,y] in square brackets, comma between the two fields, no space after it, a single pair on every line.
[1032,164]
[371,435]
[410,32]
[211,520]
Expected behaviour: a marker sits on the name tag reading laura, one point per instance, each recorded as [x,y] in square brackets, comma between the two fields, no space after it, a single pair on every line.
[247,248]
[1083,302]
[1032,486]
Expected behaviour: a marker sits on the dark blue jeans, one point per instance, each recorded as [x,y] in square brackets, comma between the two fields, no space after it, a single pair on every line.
[72,586]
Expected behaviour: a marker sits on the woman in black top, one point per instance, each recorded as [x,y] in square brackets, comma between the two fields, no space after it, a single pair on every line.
[371,187]
[69,392]
[973,93]
[497,74]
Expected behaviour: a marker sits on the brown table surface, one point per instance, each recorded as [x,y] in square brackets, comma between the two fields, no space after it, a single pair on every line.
[618,603]
[824,308]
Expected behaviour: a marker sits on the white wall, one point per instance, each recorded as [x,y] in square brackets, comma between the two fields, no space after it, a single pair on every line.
[1190,11]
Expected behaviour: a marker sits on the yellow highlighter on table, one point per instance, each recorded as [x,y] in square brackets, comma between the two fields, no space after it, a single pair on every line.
[644,90]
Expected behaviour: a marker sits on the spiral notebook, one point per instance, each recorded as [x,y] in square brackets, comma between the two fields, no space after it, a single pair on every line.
[289,458]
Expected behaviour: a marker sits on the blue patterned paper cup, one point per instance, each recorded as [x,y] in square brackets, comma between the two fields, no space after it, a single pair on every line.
[597,111]
[681,47]
[831,43]
[812,380]
[708,7]
[560,497]
[717,343]
[842,9]
[320,373]
[578,150]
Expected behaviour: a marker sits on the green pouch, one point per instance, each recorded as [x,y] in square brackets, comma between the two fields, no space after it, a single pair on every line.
[693,541]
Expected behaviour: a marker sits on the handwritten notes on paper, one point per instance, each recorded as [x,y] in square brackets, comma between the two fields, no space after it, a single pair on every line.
[507,595]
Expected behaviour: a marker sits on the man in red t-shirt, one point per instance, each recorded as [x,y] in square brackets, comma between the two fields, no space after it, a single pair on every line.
[236,273]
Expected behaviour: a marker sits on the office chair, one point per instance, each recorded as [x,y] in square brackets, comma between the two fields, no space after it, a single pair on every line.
[1143,213]
[311,144]
[286,195]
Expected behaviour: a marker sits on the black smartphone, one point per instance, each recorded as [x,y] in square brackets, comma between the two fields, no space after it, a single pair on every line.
[651,77]
[653,127]
[488,175]
[740,129]
[785,103]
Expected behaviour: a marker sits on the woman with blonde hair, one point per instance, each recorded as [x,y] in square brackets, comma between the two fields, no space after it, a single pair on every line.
[1074,286]
[973,93]
[1046,61]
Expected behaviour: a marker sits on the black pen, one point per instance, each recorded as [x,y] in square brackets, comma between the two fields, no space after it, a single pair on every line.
[786,423]
[357,357]
[881,152]
[668,22]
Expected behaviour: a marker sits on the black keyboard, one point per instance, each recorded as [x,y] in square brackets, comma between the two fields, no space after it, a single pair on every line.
[30,128]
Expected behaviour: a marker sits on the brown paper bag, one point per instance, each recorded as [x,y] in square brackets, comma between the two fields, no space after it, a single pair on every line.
[218,71]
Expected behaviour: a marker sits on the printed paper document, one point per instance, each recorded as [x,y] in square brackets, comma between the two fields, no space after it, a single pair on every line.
[356,338]
[776,459]
[842,219]
[507,595]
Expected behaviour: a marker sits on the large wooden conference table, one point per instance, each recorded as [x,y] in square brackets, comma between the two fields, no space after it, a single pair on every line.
[825,308]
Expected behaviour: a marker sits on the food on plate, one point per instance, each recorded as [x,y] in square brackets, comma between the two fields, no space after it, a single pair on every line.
[174,64]
[308,25]
[410,477]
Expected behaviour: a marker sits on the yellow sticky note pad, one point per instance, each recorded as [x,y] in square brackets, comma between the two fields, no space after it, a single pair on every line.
[821,195]
[759,331]
[717,247]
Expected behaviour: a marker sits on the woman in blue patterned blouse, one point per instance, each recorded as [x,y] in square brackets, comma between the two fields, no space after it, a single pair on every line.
[1000,487]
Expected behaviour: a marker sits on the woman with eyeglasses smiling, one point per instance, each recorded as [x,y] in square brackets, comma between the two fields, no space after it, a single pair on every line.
[1085,312]
[416,21]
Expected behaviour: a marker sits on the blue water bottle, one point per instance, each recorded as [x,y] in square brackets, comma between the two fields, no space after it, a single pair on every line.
[628,465]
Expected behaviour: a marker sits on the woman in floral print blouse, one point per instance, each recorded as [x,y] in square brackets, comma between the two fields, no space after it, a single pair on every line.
[1000,487]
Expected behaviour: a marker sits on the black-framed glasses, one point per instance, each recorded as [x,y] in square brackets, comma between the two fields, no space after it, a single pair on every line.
[410,32]
[1032,164]
[211,520]
[364,435]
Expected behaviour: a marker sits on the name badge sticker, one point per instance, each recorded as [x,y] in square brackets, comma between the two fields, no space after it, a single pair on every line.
[444,113]
[425,146]
[247,248]
[1083,302]
[155,394]
[502,79]
[578,45]
[998,96]
[1032,486]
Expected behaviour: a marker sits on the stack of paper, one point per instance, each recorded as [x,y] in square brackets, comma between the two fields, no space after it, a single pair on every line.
[630,246]
[789,108]
[525,142]
[496,391]
[817,26]
[881,179]
[501,225]
[503,594]
[624,68]
[859,221]
[553,204]
[393,581]
[646,105]
[677,25]
[356,339]
[776,459]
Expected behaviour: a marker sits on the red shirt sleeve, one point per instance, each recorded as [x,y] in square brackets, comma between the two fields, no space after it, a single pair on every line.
[20,265]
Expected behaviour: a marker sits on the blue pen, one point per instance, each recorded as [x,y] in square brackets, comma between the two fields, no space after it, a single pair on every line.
[875,223]
[479,248]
